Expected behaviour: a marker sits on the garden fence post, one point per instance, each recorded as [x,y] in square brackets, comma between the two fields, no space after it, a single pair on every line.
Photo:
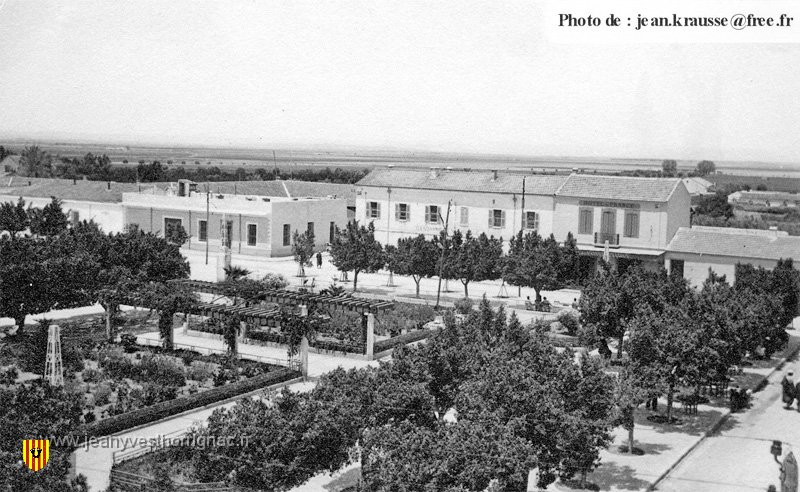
[370,338]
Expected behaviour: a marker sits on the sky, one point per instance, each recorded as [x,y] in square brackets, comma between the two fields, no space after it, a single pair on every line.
[459,76]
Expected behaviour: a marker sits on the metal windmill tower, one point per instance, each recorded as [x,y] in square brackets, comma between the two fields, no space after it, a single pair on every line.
[53,368]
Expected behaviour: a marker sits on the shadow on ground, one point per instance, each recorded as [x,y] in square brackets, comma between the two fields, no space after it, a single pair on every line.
[344,481]
[620,477]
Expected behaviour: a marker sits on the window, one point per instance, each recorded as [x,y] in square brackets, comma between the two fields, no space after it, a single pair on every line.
[631,224]
[585,217]
[252,230]
[171,227]
[531,220]
[402,212]
[373,210]
[287,234]
[432,214]
[332,232]
[464,222]
[202,230]
[310,228]
[497,218]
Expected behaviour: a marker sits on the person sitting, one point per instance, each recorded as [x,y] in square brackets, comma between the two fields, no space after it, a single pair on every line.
[545,305]
[528,304]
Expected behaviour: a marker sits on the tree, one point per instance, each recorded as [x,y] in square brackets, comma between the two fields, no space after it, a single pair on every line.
[176,234]
[303,249]
[167,300]
[663,348]
[356,249]
[35,162]
[669,167]
[715,205]
[705,168]
[49,221]
[235,272]
[416,257]
[630,392]
[14,218]
[230,332]
[474,258]
[536,263]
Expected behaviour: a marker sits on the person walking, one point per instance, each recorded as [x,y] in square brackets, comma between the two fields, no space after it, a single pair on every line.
[789,388]
[319,259]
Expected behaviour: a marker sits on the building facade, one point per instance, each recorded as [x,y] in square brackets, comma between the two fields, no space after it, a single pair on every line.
[255,225]
[768,199]
[408,202]
[696,251]
[624,219]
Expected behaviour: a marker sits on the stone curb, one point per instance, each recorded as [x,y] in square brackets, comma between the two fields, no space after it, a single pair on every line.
[720,421]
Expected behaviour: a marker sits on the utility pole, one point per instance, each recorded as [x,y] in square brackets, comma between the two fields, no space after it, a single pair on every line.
[522,227]
[208,222]
[441,258]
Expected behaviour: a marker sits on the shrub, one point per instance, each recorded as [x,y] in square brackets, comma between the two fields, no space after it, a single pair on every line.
[570,320]
[162,370]
[9,376]
[404,317]
[117,365]
[89,417]
[128,342]
[102,394]
[463,306]
[344,326]
[541,325]
[401,340]
[92,375]
[274,281]
[200,371]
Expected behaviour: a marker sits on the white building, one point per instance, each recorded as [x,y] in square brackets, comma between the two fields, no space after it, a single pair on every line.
[693,251]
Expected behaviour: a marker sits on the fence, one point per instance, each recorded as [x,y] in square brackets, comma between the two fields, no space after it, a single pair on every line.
[121,480]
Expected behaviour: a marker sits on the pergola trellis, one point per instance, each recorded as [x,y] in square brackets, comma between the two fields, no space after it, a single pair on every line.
[257,314]
[282,296]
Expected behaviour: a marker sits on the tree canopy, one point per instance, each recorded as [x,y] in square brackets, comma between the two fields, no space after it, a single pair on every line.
[356,249]
[413,256]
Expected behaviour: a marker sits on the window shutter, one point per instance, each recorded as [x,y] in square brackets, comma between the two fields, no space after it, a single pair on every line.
[502,218]
[396,211]
[427,213]
[491,218]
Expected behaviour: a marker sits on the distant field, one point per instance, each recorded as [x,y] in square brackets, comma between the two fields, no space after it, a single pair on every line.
[287,159]
[772,183]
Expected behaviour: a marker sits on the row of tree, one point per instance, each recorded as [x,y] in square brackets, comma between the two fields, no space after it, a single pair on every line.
[62,266]
[677,335]
[483,402]
[669,168]
[532,261]
[36,162]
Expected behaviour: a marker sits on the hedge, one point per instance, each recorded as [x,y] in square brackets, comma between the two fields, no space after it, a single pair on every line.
[335,345]
[409,337]
[165,409]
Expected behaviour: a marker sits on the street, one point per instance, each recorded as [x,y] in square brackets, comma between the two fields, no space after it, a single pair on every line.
[738,457]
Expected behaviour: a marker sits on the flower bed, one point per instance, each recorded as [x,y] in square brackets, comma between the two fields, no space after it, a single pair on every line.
[165,409]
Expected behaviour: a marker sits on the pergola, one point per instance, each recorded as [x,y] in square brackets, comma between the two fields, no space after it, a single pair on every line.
[282,296]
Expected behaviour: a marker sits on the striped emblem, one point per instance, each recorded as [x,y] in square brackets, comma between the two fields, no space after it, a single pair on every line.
[36,453]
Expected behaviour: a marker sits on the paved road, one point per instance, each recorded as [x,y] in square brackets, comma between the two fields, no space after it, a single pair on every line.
[738,457]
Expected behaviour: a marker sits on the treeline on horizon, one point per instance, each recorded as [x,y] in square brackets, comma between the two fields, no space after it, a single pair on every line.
[35,162]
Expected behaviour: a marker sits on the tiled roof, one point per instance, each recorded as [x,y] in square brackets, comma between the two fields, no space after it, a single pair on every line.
[450,180]
[774,196]
[64,189]
[97,191]
[619,187]
[739,243]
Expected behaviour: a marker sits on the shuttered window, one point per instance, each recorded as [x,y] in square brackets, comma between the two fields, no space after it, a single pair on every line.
[252,234]
[631,224]
[287,234]
[203,231]
[464,222]
[585,216]
[531,220]
[373,210]
[402,212]
[432,214]
[497,218]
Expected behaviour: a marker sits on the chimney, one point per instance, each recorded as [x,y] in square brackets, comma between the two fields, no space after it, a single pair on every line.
[434,172]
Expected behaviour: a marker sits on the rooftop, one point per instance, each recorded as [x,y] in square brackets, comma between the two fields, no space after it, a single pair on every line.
[739,243]
[775,196]
[619,188]
[98,191]
[452,180]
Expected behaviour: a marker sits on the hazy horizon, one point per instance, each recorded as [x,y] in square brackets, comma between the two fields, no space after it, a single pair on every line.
[467,78]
